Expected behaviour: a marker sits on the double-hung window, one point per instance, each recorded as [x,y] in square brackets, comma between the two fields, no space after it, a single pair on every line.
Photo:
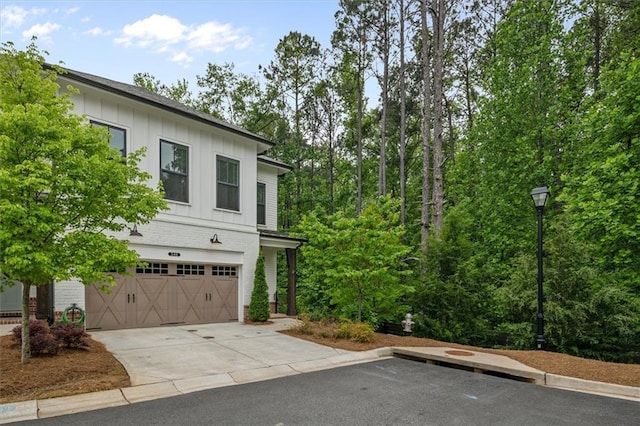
[262,204]
[228,183]
[174,171]
[118,137]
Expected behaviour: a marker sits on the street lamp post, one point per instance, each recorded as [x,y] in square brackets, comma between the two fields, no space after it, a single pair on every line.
[540,196]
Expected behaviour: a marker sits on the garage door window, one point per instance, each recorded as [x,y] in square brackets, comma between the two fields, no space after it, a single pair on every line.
[182,269]
[224,271]
[154,268]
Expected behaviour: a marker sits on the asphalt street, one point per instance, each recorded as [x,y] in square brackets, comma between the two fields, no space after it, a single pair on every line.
[387,392]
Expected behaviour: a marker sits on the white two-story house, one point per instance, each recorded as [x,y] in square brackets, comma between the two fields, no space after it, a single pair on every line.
[221,190]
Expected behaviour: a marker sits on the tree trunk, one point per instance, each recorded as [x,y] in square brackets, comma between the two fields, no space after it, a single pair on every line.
[426,125]
[597,42]
[361,61]
[26,344]
[403,96]
[438,158]
[331,164]
[360,296]
[382,176]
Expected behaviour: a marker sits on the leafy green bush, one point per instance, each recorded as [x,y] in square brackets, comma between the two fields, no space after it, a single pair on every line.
[259,305]
[356,331]
[305,326]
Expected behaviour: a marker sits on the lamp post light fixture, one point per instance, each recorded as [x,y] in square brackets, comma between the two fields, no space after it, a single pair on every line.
[540,196]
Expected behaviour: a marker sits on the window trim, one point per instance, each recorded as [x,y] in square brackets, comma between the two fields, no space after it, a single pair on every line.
[264,204]
[188,147]
[110,126]
[238,186]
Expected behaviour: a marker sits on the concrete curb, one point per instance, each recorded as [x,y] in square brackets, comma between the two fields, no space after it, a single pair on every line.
[588,386]
[38,409]
[522,371]
[29,410]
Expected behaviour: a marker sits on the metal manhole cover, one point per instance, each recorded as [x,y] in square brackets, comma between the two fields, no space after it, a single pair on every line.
[459,353]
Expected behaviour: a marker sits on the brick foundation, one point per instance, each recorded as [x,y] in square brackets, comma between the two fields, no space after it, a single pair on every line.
[15,317]
[245,316]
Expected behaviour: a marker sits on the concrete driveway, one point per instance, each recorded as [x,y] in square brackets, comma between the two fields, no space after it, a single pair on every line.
[211,355]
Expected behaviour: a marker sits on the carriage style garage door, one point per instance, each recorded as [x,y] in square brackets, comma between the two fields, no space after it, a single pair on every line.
[165,293]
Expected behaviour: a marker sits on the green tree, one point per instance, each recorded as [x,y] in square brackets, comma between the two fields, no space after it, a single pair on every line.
[62,187]
[179,91]
[259,305]
[292,74]
[603,190]
[226,94]
[353,267]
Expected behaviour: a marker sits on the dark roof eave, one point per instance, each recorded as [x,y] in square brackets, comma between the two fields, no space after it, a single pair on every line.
[277,164]
[282,236]
[162,103]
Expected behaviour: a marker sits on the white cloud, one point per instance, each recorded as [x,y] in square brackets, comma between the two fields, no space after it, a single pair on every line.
[156,30]
[42,31]
[71,11]
[38,11]
[167,35]
[215,37]
[181,57]
[97,31]
[12,16]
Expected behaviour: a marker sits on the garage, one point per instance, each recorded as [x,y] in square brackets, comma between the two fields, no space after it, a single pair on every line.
[165,294]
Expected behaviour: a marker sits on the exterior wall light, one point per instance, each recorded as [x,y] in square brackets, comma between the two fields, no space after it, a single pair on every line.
[215,240]
[134,232]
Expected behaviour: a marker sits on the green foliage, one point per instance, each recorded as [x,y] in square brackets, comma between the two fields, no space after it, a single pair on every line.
[61,184]
[356,331]
[354,267]
[305,325]
[584,313]
[259,305]
[603,189]
[452,303]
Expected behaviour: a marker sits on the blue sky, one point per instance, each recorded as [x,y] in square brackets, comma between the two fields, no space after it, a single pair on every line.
[169,39]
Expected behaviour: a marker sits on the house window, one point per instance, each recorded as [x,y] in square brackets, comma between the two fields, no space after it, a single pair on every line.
[118,139]
[261,196]
[228,188]
[174,171]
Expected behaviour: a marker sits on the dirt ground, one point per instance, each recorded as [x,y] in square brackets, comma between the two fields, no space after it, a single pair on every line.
[76,371]
[71,372]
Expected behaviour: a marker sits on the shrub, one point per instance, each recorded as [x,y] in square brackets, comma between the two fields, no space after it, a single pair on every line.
[42,344]
[35,328]
[70,335]
[356,331]
[259,305]
[40,339]
[306,325]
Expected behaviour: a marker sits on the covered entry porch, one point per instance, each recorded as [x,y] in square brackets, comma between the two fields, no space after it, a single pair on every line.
[274,240]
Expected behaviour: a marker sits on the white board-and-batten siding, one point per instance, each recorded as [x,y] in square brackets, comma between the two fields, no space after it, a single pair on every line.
[187,228]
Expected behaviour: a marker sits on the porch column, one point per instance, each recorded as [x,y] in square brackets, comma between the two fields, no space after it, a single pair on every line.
[291,281]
